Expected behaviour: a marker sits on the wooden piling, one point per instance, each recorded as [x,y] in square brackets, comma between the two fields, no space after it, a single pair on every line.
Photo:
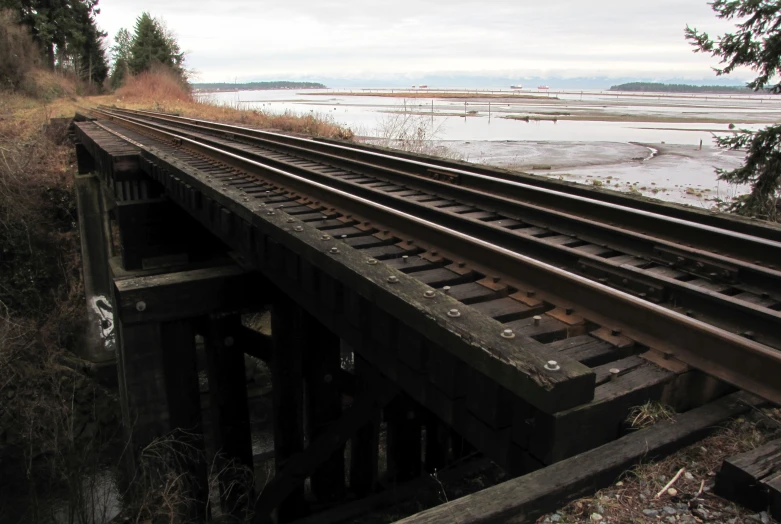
[288,335]
[230,412]
[324,405]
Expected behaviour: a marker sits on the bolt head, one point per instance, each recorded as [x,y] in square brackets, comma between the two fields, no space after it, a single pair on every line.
[325,237]
[508,333]
[298,228]
[291,220]
[393,279]
[140,305]
[429,293]
[552,365]
[446,289]
[334,250]
[454,313]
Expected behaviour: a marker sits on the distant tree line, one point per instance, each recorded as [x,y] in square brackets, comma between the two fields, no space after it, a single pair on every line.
[151,45]
[67,34]
[247,86]
[678,88]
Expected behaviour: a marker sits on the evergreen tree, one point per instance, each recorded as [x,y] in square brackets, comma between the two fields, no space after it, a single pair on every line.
[121,54]
[756,44]
[153,44]
[67,33]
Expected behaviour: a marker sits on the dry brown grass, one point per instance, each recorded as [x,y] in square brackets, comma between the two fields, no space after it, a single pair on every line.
[160,86]
[161,91]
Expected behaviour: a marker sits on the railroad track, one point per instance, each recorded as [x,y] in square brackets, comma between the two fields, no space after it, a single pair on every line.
[547,264]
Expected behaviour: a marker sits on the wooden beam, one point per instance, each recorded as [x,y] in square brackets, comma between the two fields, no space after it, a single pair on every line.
[526,498]
[187,294]
[303,464]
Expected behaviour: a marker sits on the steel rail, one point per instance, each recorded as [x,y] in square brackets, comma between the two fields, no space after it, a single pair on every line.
[739,245]
[750,274]
[735,315]
[734,359]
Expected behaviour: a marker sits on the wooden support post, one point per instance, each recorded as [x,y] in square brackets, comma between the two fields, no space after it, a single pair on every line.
[364,448]
[184,406]
[304,464]
[287,332]
[228,393]
[94,256]
[403,418]
[437,444]
[324,405]
[159,394]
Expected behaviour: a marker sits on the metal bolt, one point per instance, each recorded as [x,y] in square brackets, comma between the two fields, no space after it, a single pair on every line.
[334,250]
[291,220]
[508,333]
[454,313]
[269,212]
[537,319]
[429,293]
[372,261]
[140,305]
[404,259]
[328,379]
[298,228]
[325,237]
[393,279]
[343,236]
[325,218]
[552,365]
[228,341]
[614,372]
[446,290]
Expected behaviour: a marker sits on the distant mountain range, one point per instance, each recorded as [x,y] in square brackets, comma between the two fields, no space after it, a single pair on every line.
[476,80]
[252,86]
[678,88]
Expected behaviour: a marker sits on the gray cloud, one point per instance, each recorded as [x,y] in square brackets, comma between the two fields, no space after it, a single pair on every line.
[613,38]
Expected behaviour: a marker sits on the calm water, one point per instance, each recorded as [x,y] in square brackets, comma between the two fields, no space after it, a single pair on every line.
[369,115]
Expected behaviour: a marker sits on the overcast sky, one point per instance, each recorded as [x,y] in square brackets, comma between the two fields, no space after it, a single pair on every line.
[252,40]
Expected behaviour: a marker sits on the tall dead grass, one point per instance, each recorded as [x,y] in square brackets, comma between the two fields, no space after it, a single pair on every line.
[162,90]
[159,85]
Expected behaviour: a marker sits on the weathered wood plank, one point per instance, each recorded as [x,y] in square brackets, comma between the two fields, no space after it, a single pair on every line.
[525,498]
[746,478]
